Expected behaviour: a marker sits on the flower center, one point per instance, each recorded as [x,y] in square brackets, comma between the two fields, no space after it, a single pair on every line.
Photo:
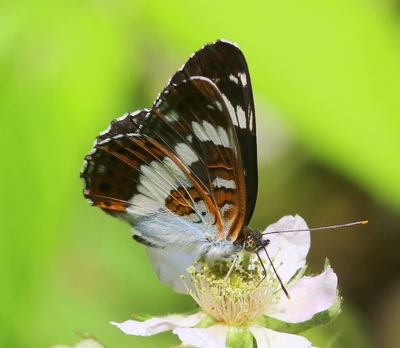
[237,300]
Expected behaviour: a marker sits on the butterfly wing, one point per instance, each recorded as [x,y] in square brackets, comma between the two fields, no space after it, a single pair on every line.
[224,64]
[177,177]
[196,127]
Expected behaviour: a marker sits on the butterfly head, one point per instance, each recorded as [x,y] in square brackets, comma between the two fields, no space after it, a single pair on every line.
[254,241]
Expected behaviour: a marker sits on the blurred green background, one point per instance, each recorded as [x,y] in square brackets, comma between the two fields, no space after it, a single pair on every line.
[326,80]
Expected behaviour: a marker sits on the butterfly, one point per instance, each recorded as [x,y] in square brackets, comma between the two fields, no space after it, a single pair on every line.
[184,173]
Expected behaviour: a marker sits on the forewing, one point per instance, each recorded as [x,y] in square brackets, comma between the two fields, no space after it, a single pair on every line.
[224,64]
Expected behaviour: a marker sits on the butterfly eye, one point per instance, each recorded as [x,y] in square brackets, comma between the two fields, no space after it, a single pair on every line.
[250,244]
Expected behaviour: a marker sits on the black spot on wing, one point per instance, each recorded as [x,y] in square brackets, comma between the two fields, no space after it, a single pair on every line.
[144,241]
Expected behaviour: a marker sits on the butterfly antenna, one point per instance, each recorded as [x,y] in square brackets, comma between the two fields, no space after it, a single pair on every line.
[276,273]
[364,222]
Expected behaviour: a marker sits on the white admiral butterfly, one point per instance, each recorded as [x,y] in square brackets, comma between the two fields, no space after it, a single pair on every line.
[184,173]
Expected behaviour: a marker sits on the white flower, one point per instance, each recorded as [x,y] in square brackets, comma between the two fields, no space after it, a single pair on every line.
[86,343]
[235,311]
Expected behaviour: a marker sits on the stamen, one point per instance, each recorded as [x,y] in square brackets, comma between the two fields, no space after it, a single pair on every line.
[237,300]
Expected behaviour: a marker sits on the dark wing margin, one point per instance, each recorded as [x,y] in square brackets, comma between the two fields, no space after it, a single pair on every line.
[128,123]
[224,64]
[108,180]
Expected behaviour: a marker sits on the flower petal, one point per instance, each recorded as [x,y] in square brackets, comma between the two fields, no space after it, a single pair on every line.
[156,325]
[288,250]
[267,338]
[89,343]
[309,295]
[86,343]
[210,337]
[170,265]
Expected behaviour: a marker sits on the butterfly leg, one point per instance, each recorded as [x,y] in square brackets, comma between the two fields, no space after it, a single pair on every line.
[264,270]
[276,273]
[232,267]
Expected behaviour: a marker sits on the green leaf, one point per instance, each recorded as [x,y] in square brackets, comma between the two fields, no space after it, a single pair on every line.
[239,337]
[345,331]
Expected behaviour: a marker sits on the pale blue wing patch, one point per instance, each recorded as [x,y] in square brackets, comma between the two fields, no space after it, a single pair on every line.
[172,262]
[170,265]
[169,231]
